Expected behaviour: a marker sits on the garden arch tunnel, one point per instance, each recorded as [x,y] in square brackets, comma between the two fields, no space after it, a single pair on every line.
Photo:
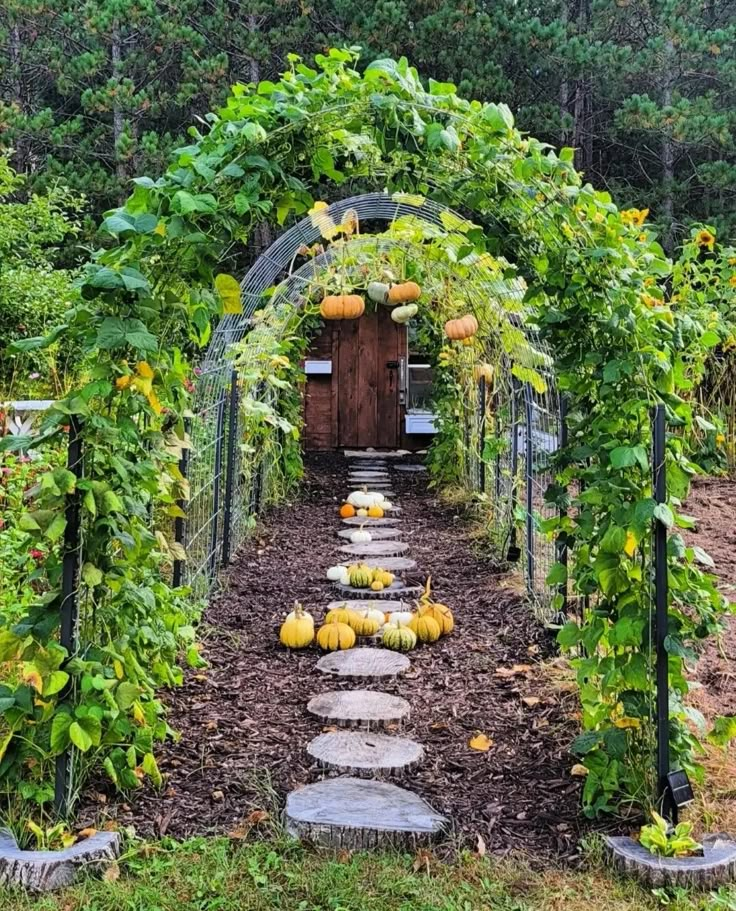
[510,425]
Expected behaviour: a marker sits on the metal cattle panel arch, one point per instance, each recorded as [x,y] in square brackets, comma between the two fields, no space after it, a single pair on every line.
[526,423]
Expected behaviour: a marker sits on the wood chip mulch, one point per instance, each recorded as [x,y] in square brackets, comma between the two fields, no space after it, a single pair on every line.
[243,722]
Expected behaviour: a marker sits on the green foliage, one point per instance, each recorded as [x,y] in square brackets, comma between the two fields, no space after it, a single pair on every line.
[547,248]
[33,293]
[660,839]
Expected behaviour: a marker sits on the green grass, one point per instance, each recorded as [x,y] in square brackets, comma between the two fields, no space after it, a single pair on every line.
[221,875]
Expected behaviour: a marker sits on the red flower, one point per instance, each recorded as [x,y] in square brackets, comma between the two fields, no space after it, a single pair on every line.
[36,554]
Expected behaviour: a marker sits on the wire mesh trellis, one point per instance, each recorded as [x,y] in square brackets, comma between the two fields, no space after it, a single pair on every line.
[510,444]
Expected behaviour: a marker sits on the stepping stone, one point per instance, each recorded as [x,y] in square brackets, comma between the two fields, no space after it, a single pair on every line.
[368,476]
[361,751]
[397,587]
[376,453]
[410,467]
[388,607]
[357,814]
[392,564]
[376,663]
[378,534]
[375,548]
[365,709]
[370,522]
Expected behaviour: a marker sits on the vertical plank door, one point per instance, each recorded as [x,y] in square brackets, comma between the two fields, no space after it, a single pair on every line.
[367,377]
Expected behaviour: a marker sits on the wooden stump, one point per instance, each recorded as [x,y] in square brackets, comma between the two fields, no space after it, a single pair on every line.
[363,709]
[388,607]
[359,751]
[397,587]
[358,814]
[392,564]
[377,533]
[375,549]
[359,663]
[411,468]
[369,522]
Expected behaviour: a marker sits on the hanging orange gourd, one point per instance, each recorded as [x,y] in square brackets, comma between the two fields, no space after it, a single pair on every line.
[342,306]
[464,327]
[403,293]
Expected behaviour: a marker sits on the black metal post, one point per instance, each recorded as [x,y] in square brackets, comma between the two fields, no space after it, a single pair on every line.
[232,449]
[528,460]
[180,521]
[482,434]
[69,609]
[513,552]
[219,440]
[561,543]
[661,599]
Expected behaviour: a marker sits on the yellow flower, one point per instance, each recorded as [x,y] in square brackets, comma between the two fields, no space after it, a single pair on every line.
[732,280]
[630,545]
[635,217]
[122,382]
[643,237]
[705,239]
[732,261]
[720,439]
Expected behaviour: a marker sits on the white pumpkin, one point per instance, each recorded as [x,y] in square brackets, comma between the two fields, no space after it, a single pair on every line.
[361,536]
[338,574]
[365,498]
[400,618]
[372,613]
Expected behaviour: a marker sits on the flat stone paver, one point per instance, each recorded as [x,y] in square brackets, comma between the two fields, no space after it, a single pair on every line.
[353,751]
[387,607]
[375,549]
[377,533]
[397,587]
[375,663]
[370,522]
[365,709]
[356,813]
[392,564]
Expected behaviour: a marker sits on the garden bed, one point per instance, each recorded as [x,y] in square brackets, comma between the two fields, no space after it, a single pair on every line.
[243,721]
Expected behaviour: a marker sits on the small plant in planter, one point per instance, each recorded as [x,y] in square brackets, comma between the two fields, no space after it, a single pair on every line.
[664,840]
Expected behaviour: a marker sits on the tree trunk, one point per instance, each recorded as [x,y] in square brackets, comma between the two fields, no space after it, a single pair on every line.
[254,67]
[22,149]
[118,120]
[668,153]
[564,84]
[583,107]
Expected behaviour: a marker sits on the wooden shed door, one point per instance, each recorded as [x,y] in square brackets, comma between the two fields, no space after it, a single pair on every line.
[358,404]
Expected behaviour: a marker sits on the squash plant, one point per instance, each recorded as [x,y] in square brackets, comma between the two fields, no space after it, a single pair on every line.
[563,258]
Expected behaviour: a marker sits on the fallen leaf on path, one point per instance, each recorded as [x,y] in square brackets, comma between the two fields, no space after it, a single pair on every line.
[480,848]
[531,700]
[480,742]
[578,770]
[515,671]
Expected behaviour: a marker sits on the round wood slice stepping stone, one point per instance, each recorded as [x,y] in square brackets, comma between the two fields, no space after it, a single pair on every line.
[376,663]
[357,814]
[377,534]
[410,467]
[392,564]
[397,587]
[387,607]
[366,709]
[368,476]
[369,522]
[375,549]
[362,751]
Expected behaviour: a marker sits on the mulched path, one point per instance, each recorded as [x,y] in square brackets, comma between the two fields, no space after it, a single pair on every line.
[243,723]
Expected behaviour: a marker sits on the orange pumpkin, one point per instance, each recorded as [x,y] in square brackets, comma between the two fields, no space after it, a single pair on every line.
[342,306]
[404,293]
[459,329]
[347,510]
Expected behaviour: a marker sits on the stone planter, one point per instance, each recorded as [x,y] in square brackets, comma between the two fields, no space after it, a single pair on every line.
[716,866]
[44,871]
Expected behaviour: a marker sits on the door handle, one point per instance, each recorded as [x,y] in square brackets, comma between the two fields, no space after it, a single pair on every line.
[392,365]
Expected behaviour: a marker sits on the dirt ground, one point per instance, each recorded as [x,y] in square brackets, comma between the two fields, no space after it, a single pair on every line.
[243,721]
[713,503]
